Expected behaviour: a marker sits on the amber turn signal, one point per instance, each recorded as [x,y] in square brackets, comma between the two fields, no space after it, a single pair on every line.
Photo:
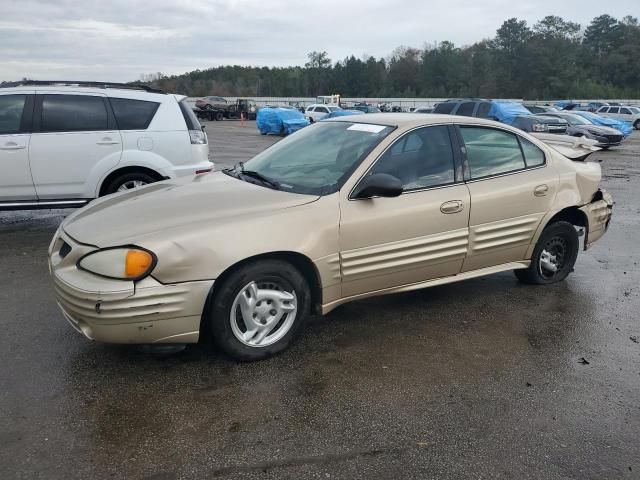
[137,263]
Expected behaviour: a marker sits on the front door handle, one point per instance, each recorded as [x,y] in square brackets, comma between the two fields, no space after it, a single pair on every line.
[12,146]
[541,190]
[452,206]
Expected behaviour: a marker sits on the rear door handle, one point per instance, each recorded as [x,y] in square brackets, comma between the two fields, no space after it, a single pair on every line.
[12,146]
[541,190]
[107,141]
[452,206]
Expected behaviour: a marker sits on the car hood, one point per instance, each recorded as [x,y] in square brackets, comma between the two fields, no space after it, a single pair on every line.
[597,129]
[123,218]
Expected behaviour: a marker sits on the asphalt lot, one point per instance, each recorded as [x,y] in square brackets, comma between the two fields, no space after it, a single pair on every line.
[482,379]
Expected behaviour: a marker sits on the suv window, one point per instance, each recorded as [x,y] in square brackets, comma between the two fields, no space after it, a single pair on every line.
[73,113]
[421,158]
[483,110]
[11,108]
[625,111]
[466,109]
[603,109]
[133,114]
[189,117]
[614,110]
[491,152]
[445,107]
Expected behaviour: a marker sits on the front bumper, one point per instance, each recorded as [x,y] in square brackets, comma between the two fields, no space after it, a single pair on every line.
[598,214]
[120,311]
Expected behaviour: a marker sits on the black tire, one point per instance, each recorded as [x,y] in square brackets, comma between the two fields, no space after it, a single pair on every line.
[267,272]
[637,125]
[559,239]
[311,120]
[120,180]
[219,116]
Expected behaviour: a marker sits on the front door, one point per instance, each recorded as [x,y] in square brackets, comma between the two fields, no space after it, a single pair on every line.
[511,191]
[15,124]
[72,135]
[420,235]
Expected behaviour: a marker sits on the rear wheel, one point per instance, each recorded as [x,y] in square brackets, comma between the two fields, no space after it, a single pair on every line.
[129,181]
[219,116]
[259,310]
[554,255]
[637,125]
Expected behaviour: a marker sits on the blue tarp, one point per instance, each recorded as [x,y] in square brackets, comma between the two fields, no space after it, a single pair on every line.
[623,127]
[506,112]
[343,113]
[280,121]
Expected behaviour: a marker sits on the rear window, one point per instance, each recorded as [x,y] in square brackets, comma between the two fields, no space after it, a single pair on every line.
[189,117]
[73,113]
[133,114]
[445,107]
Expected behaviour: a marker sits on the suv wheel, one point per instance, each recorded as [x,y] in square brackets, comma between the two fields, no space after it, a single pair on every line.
[637,125]
[128,181]
[259,310]
[553,257]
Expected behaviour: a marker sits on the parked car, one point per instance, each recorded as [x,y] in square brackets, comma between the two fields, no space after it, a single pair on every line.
[540,108]
[596,119]
[280,121]
[630,115]
[593,106]
[423,110]
[364,108]
[63,144]
[342,210]
[343,113]
[317,111]
[540,123]
[581,127]
[211,102]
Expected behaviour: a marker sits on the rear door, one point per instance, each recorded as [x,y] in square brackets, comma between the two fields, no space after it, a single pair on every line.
[511,190]
[15,125]
[74,136]
[626,115]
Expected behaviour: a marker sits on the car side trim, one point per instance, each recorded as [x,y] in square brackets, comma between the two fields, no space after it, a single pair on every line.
[326,308]
[31,205]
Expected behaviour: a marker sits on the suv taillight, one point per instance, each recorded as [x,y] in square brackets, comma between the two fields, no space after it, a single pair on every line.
[198,137]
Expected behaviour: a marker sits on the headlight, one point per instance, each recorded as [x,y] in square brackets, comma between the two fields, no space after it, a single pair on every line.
[540,127]
[120,263]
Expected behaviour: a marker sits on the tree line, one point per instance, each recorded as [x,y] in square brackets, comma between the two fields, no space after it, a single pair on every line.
[553,58]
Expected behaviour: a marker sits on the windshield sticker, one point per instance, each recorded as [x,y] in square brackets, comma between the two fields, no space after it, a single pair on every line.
[364,127]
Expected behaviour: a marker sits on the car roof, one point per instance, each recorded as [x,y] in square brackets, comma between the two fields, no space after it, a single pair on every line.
[413,119]
[122,92]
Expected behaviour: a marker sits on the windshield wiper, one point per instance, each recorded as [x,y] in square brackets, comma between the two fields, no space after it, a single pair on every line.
[258,176]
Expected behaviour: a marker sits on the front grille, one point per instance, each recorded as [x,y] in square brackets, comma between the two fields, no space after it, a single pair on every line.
[614,138]
[557,128]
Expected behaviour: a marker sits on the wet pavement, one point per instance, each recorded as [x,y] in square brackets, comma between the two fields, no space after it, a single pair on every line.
[482,379]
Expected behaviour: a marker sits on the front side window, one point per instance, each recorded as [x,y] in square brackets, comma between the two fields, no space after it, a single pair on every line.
[420,159]
[11,108]
[491,152]
[614,110]
[318,159]
[133,114]
[483,110]
[73,113]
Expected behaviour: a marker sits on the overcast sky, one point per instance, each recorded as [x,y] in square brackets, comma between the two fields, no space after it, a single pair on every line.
[118,40]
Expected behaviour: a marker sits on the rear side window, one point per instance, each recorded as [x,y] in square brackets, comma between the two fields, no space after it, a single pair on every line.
[483,110]
[73,113]
[422,158]
[445,107]
[11,108]
[466,109]
[625,111]
[491,152]
[533,156]
[189,117]
[133,114]
[603,109]
[614,110]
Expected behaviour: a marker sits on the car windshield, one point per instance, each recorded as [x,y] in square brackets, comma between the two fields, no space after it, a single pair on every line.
[576,120]
[318,159]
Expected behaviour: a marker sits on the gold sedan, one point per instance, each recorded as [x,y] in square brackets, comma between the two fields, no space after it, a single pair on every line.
[344,209]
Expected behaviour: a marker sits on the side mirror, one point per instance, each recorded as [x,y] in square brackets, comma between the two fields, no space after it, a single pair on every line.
[379,185]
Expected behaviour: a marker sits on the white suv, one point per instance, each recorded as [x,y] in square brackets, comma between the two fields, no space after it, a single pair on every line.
[624,114]
[65,143]
[317,111]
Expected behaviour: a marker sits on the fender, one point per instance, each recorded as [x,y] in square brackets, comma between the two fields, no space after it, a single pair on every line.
[130,158]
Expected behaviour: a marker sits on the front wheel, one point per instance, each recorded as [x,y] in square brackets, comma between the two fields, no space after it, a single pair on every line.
[259,310]
[554,255]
